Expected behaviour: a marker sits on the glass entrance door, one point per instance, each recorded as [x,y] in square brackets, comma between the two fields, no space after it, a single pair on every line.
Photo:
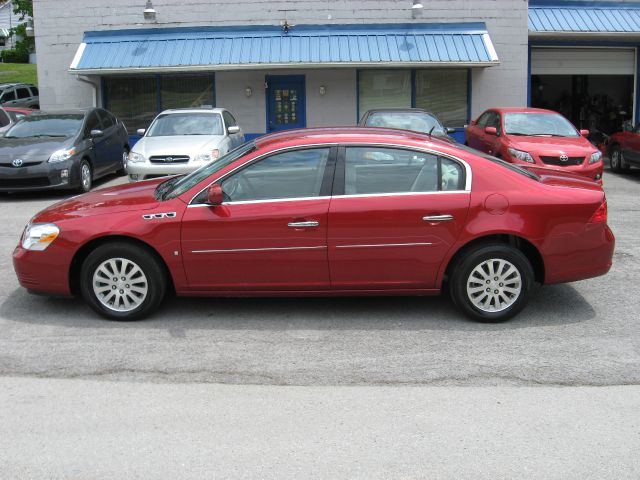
[285,102]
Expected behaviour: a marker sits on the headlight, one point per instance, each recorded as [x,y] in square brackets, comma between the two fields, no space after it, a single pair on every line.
[62,155]
[520,155]
[38,236]
[207,156]
[135,158]
[595,157]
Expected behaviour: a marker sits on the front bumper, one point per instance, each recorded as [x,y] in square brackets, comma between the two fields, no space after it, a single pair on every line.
[145,170]
[42,176]
[45,272]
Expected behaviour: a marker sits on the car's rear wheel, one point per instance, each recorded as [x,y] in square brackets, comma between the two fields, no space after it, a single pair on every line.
[86,176]
[616,159]
[121,281]
[492,283]
[122,170]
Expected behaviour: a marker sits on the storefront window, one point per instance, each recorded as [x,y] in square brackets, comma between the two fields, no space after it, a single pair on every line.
[136,100]
[132,100]
[440,91]
[186,91]
[384,89]
[444,93]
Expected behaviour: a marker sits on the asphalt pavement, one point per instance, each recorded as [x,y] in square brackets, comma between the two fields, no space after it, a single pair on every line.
[352,371]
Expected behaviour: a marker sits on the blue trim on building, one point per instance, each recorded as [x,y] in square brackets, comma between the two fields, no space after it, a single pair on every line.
[529,75]
[357,97]
[637,88]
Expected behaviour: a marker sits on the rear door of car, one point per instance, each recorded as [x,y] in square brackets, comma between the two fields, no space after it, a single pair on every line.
[394,214]
[271,231]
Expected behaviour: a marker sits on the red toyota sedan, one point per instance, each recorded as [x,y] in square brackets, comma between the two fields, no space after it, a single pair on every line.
[340,211]
[624,149]
[536,137]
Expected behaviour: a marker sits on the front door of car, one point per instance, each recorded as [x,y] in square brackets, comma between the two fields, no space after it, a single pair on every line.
[113,141]
[99,144]
[237,138]
[394,215]
[270,233]
[489,141]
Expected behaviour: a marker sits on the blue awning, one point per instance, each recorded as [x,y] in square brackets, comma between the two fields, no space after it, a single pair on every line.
[232,48]
[579,18]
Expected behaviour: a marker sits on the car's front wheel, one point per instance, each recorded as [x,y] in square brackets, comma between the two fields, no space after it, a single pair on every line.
[492,283]
[616,159]
[86,176]
[122,168]
[121,281]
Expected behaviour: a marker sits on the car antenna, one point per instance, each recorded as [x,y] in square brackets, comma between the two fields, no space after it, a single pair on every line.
[431,130]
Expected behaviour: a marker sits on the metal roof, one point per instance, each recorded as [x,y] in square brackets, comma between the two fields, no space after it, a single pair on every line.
[230,48]
[585,18]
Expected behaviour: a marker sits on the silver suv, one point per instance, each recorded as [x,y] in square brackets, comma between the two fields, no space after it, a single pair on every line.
[22,95]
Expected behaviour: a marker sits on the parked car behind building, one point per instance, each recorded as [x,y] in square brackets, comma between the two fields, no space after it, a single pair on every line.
[413,119]
[62,150]
[182,140]
[19,95]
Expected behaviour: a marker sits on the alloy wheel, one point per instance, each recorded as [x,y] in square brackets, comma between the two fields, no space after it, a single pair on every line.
[494,285]
[120,284]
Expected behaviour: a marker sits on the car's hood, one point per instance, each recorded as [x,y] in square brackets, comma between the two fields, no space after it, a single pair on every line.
[31,148]
[177,145]
[559,177]
[131,196]
[572,146]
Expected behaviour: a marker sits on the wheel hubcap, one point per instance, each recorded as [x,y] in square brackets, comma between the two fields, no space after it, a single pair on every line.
[86,176]
[615,158]
[494,285]
[120,284]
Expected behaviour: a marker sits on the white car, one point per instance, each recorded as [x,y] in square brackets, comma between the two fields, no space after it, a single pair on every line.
[180,141]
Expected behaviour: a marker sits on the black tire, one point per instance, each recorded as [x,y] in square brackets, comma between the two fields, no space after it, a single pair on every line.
[85,183]
[474,258]
[616,159]
[152,270]
[123,170]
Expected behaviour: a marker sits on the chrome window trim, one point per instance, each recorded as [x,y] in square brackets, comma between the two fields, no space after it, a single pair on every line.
[467,167]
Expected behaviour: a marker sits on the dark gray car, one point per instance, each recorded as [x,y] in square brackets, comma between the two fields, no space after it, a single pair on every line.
[62,150]
[414,119]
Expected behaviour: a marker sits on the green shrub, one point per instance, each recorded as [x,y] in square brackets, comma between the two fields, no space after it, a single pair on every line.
[15,56]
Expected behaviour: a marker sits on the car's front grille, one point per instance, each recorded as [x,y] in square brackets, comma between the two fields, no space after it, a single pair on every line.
[22,165]
[561,160]
[169,159]
[24,182]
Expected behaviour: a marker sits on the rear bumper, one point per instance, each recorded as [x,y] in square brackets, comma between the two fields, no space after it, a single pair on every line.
[588,254]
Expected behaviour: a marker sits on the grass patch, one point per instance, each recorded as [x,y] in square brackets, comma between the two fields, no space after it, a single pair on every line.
[18,73]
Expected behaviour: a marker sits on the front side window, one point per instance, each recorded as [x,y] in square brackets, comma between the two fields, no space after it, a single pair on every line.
[93,123]
[539,124]
[42,125]
[484,118]
[8,95]
[229,120]
[373,170]
[186,124]
[293,174]
[107,119]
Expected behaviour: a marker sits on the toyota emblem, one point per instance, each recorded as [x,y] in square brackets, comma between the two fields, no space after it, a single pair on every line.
[17,162]
[168,159]
[564,158]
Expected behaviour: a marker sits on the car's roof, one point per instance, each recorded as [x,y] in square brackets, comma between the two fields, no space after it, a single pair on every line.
[7,85]
[398,110]
[66,111]
[521,110]
[350,134]
[193,110]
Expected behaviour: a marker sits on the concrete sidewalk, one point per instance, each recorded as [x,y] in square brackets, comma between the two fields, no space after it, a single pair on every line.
[98,429]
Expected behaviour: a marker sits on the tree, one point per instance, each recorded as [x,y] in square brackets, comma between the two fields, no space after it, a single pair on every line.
[25,45]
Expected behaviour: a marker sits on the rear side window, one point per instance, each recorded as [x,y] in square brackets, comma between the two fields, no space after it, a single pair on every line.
[34,91]
[23,92]
[373,170]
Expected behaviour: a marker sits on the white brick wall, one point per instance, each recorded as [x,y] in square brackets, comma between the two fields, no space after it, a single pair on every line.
[60,24]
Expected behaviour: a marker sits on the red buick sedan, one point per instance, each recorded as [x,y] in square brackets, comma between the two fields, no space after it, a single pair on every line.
[535,136]
[340,211]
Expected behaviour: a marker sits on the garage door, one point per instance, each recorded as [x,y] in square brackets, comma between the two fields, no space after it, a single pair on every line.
[582,61]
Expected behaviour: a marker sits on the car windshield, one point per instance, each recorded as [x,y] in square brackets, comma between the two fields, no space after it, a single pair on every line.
[414,121]
[502,163]
[178,185]
[63,125]
[538,124]
[170,124]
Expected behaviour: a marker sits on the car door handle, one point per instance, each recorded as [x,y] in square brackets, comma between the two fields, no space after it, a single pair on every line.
[305,224]
[438,218]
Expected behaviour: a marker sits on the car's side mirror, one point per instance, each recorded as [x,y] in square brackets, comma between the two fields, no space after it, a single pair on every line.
[471,123]
[584,133]
[491,131]
[233,129]
[141,131]
[215,195]
[96,133]
[450,130]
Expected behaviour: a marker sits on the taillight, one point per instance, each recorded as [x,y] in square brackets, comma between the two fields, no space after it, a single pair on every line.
[600,215]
